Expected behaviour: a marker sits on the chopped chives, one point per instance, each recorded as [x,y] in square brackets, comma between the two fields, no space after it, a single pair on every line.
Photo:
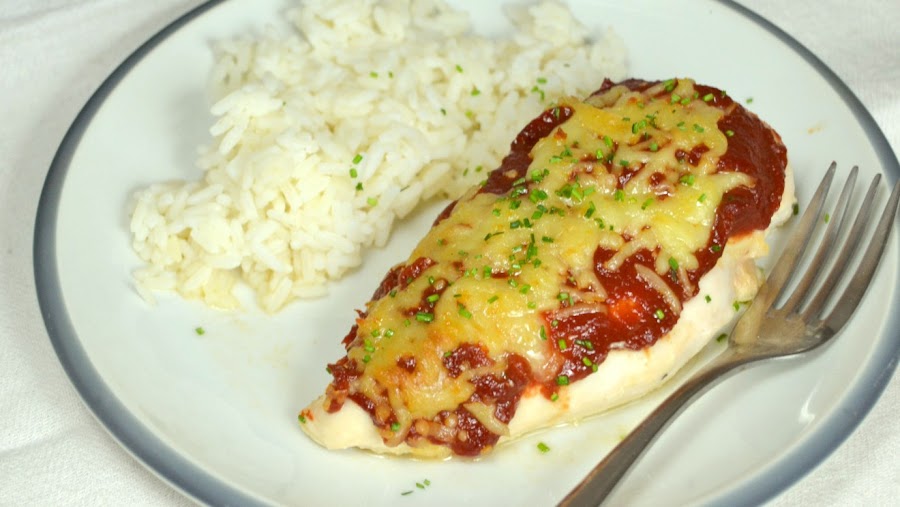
[544,448]
[424,316]
[673,263]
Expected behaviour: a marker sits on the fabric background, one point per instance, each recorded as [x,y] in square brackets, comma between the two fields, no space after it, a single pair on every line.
[54,54]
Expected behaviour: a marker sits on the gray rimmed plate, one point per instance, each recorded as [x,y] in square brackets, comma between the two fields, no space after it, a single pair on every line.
[215,415]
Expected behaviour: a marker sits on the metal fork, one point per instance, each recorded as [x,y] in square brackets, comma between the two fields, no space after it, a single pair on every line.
[766,331]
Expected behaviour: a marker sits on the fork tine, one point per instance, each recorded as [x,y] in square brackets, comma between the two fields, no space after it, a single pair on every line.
[851,245]
[835,225]
[793,252]
[860,281]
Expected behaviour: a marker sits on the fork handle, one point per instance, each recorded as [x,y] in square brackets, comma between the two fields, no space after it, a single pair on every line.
[591,491]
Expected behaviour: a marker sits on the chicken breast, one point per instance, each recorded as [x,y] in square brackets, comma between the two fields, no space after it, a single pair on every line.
[607,249]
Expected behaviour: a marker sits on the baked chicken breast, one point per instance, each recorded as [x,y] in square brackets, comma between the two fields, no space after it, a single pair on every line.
[607,249]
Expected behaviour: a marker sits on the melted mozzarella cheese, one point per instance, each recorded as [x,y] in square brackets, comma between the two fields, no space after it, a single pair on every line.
[576,202]
[624,376]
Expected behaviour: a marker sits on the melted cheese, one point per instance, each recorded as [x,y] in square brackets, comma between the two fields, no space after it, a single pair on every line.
[537,239]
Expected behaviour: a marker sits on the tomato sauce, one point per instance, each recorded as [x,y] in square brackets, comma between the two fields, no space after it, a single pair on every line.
[634,315]
[638,315]
[514,165]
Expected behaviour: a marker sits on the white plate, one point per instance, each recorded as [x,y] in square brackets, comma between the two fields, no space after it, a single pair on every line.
[215,415]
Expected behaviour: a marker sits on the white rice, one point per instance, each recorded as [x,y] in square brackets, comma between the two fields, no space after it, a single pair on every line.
[427,106]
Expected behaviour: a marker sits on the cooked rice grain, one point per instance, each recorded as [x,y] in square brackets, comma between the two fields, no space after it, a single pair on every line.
[403,84]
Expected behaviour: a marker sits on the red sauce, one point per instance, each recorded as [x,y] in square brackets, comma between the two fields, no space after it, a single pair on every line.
[633,321]
[692,157]
[632,84]
[407,363]
[445,213]
[465,357]
[344,372]
[514,165]
[633,316]
[430,297]
[629,321]
[502,391]
[476,439]
[401,276]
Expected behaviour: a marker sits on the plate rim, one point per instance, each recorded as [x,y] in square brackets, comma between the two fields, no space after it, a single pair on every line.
[191,480]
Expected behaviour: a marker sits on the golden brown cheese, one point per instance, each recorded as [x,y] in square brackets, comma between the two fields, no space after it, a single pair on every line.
[609,228]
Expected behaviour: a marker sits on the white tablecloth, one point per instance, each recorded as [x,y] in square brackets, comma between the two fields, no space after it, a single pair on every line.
[54,54]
